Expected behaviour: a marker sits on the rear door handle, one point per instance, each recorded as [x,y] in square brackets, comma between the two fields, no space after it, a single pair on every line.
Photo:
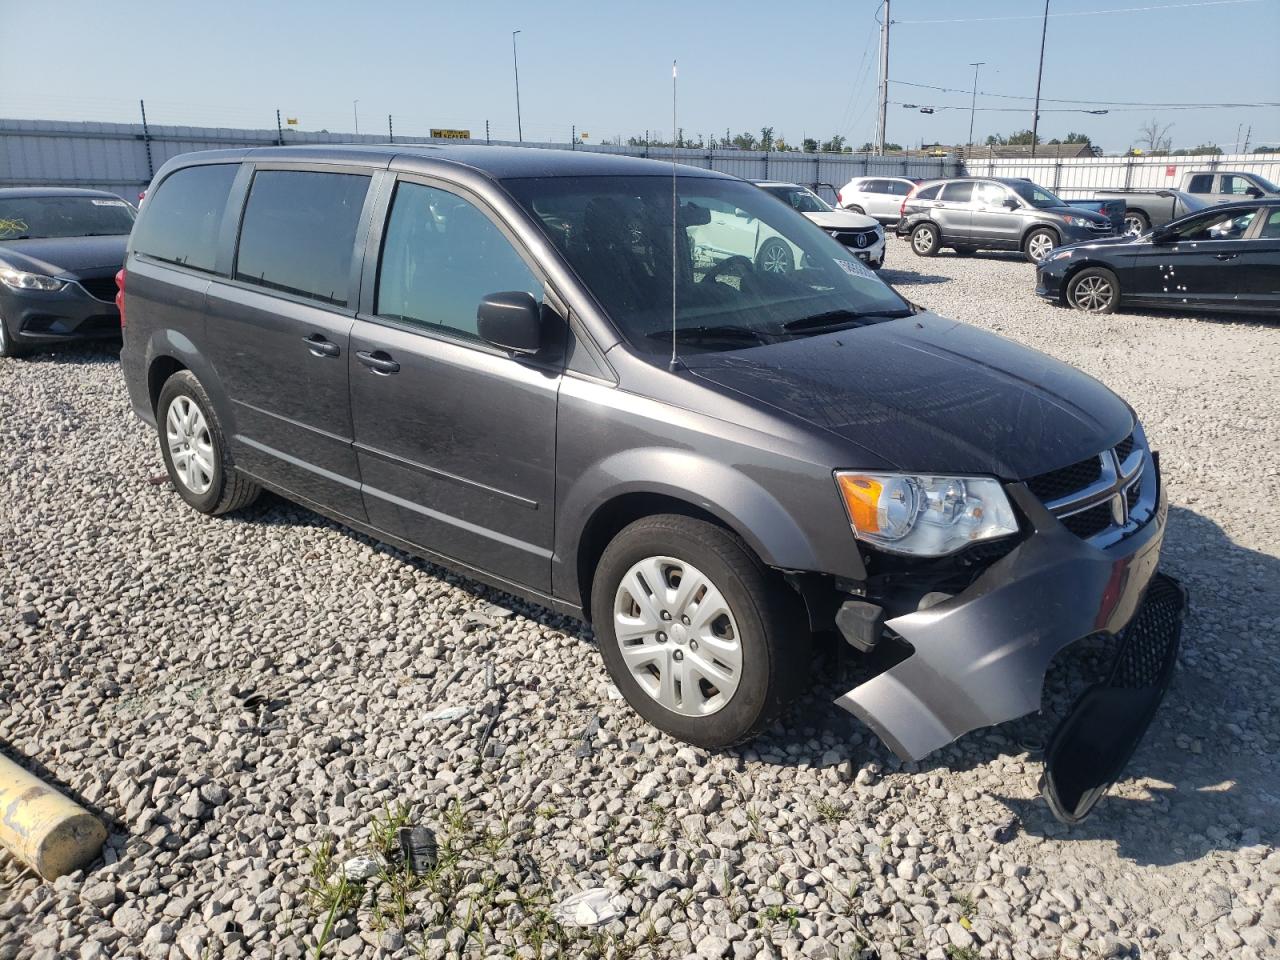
[378,362]
[320,347]
[1224,256]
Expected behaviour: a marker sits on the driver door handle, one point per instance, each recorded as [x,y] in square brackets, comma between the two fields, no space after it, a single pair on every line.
[1225,256]
[320,347]
[378,362]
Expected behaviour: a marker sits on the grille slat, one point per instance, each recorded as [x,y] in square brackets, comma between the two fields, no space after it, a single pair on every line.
[1100,479]
[1069,479]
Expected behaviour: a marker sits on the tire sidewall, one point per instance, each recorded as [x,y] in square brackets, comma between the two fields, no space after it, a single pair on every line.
[933,246]
[1026,244]
[184,384]
[728,724]
[1108,275]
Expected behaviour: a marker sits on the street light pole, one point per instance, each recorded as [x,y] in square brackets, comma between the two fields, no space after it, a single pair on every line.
[515,61]
[974,102]
[1035,117]
[884,82]
[355,112]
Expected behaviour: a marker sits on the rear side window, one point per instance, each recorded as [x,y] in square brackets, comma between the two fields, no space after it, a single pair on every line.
[899,188]
[961,192]
[440,257]
[299,230]
[927,193]
[181,219]
[1201,183]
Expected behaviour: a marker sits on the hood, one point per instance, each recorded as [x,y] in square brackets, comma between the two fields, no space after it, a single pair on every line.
[931,395]
[842,219]
[1066,210]
[1118,241]
[65,256]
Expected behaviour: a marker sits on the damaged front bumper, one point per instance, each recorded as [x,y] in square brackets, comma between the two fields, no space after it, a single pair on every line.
[979,658]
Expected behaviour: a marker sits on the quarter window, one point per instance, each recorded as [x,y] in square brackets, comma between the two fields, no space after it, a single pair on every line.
[181,219]
[928,193]
[1200,183]
[299,231]
[440,257]
[899,188]
[959,192]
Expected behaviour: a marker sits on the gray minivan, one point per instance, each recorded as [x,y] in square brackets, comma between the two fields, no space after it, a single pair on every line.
[514,363]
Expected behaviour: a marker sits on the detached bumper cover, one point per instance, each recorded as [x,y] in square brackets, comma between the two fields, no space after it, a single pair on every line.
[980,658]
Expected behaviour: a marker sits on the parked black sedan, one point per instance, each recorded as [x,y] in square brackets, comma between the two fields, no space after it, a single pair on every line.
[1225,258]
[60,250]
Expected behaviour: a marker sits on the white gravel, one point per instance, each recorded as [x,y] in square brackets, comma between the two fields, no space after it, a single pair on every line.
[232,692]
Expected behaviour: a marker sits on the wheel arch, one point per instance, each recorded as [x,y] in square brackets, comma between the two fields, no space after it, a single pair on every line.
[1022,241]
[169,352]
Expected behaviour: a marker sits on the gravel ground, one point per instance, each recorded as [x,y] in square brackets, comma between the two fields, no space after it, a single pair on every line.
[252,700]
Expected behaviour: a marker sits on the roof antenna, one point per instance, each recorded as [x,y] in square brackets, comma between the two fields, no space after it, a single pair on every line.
[675,210]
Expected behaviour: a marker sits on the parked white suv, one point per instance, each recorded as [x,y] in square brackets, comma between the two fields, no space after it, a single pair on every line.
[862,235]
[879,197]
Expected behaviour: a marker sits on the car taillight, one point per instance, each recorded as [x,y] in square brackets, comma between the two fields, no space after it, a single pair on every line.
[902,210]
[120,276]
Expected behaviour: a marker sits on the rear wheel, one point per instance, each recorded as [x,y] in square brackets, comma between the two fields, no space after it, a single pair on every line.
[700,637]
[925,240]
[856,209]
[1094,290]
[775,257]
[195,449]
[1038,244]
[1135,223]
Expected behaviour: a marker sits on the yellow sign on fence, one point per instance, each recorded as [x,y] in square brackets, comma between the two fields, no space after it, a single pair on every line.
[450,134]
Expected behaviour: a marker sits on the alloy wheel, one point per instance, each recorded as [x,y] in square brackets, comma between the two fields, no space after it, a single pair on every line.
[774,259]
[1133,226]
[1093,294]
[1038,247]
[922,241]
[677,635]
[190,445]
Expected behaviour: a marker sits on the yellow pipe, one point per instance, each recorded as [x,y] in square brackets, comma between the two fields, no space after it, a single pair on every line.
[42,828]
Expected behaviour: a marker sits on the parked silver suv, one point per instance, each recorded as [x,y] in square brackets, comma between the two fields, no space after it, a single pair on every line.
[969,214]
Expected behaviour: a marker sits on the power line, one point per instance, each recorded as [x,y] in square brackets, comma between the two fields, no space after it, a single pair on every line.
[1100,103]
[1083,13]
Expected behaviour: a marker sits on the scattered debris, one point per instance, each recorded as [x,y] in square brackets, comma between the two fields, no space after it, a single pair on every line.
[612,692]
[1004,831]
[361,868]
[590,908]
[447,713]
[418,851]
[490,675]
[158,479]
[588,734]
[497,611]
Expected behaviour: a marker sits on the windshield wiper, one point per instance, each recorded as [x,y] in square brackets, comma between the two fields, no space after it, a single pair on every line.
[714,332]
[834,319]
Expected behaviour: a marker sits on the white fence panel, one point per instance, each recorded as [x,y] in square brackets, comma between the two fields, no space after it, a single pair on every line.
[1077,175]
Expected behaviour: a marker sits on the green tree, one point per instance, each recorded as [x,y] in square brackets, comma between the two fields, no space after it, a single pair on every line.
[744,141]
[766,138]
[1266,149]
[834,145]
[811,145]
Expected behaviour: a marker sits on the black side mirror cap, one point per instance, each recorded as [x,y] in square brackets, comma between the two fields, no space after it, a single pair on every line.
[511,320]
[1011,203]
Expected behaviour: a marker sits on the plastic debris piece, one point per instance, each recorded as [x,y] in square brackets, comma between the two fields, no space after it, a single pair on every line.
[590,908]
[490,675]
[158,479]
[612,692]
[418,851]
[496,611]
[361,868]
[587,736]
[447,713]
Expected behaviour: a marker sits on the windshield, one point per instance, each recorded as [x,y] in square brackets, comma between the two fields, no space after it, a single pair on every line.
[1266,184]
[748,270]
[37,218]
[1035,195]
[800,198]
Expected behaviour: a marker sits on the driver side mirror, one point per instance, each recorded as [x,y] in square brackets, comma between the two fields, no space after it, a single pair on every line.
[1163,235]
[1253,192]
[1011,203]
[511,320]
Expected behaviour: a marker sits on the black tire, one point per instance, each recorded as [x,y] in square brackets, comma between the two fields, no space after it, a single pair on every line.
[1094,290]
[772,631]
[925,240]
[8,348]
[854,208]
[1034,241]
[1135,223]
[775,256]
[964,251]
[228,490]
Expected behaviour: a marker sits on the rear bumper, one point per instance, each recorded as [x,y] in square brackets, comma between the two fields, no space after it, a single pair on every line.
[37,316]
[980,658]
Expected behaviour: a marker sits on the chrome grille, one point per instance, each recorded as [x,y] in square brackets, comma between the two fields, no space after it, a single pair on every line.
[1104,498]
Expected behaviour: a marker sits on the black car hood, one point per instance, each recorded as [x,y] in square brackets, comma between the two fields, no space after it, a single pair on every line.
[1066,210]
[1100,242]
[931,395]
[65,256]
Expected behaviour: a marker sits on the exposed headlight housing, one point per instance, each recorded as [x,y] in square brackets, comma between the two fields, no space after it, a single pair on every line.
[20,280]
[925,516]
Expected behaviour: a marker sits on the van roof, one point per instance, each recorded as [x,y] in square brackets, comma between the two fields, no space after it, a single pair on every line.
[499,163]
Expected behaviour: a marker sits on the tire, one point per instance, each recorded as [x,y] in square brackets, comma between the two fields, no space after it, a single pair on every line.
[8,348]
[1041,241]
[208,481]
[775,256]
[965,251]
[925,240]
[760,614]
[854,208]
[1094,290]
[1136,222]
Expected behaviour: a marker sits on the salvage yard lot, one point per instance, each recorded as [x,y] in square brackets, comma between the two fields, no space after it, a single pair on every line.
[236,695]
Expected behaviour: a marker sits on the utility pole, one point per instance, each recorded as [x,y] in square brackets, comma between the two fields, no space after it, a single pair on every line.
[279,131]
[146,138]
[391,134]
[355,112]
[1248,135]
[515,62]
[973,104]
[1035,117]
[884,80]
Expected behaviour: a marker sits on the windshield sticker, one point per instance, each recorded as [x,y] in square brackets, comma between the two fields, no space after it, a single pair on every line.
[855,269]
[11,227]
[108,203]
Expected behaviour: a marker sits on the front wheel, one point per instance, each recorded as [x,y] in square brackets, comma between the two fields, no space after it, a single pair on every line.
[925,240]
[195,449]
[8,348]
[700,637]
[775,257]
[854,208]
[1094,290]
[1136,223]
[1038,244]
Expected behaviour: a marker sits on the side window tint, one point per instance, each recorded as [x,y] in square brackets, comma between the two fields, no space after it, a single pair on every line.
[960,192]
[181,219]
[440,257]
[1201,183]
[928,193]
[899,188]
[991,194]
[299,232]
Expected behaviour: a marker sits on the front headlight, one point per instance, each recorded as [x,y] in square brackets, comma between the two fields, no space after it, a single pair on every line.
[925,516]
[1078,222]
[19,280]
[1058,255]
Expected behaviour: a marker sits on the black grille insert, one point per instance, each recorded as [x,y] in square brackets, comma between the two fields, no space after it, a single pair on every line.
[1066,480]
[1089,522]
[103,288]
[1125,447]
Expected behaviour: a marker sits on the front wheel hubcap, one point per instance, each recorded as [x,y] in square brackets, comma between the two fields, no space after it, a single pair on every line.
[1039,246]
[678,638]
[923,241]
[190,445]
[1093,294]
